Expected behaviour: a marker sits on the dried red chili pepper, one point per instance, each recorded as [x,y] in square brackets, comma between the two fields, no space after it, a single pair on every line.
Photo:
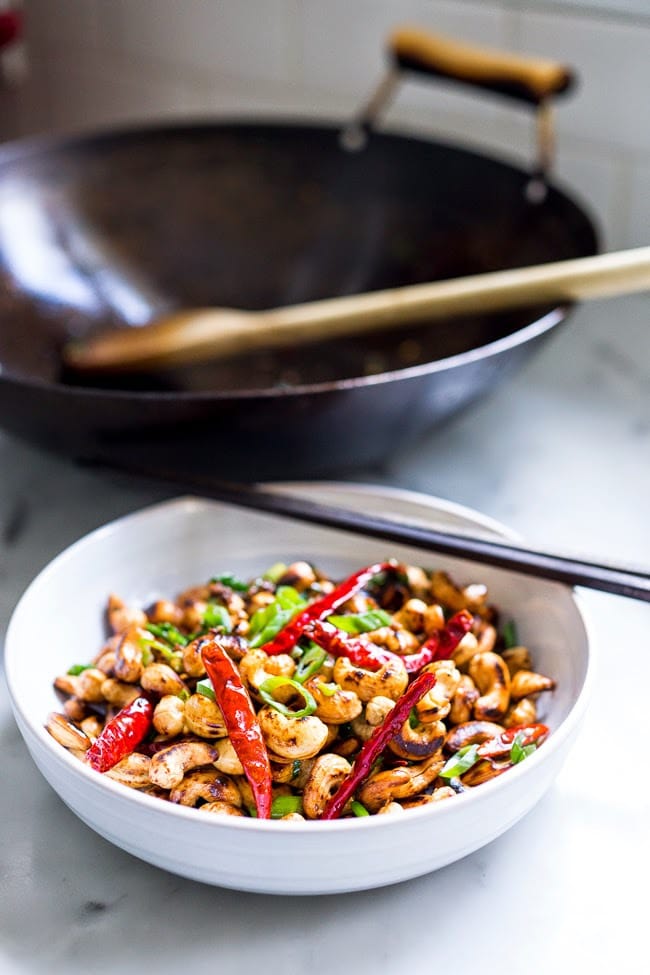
[320,608]
[531,734]
[441,644]
[360,652]
[377,742]
[241,723]
[121,735]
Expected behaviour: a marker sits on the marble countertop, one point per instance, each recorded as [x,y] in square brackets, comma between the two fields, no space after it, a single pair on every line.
[561,454]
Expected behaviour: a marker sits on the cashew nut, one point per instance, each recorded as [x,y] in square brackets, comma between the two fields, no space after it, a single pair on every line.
[161,679]
[256,666]
[118,693]
[378,709]
[292,737]
[169,716]
[164,611]
[128,656]
[75,709]
[337,708]
[121,617]
[398,783]
[485,769]
[436,703]
[490,674]
[89,685]
[463,701]
[66,733]
[517,658]
[523,712]
[526,682]
[422,741]
[396,640]
[207,784]
[203,717]
[471,733]
[465,650]
[389,681]
[92,727]
[412,615]
[220,808]
[300,575]
[227,760]
[486,635]
[132,771]
[169,765]
[327,774]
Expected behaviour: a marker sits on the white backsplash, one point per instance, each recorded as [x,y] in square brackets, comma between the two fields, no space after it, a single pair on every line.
[99,62]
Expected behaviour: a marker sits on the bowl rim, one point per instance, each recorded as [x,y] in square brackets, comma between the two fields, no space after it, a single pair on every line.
[307,828]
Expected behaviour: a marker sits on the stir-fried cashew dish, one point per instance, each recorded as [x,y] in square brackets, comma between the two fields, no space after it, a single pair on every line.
[294,697]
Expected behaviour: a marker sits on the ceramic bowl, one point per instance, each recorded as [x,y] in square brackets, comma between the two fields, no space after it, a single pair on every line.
[165,548]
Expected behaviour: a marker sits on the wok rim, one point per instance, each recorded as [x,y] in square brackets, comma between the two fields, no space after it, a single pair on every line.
[21,149]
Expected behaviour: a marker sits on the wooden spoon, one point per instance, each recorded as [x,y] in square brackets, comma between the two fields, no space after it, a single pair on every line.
[201,334]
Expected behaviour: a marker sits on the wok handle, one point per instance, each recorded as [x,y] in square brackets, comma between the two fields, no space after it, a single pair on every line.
[528,79]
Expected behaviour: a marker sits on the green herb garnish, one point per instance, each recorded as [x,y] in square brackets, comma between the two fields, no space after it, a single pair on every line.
[275,572]
[230,580]
[205,687]
[77,669]
[357,623]
[519,751]
[217,616]
[167,631]
[268,621]
[283,805]
[271,684]
[358,808]
[310,662]
[509,634]
[460,762]
[413,718]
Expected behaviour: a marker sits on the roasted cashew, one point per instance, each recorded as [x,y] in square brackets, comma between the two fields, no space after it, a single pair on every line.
[66,733]
[395,639]
[466,649]
[422,741]
[128,656]
[517,658]
[412,615]
[337,708]
[492,678]
[118,693]
[389,681]
[89,685]
[220,808]
[133,771]
[526,682]
[293,815]
[192,660]
[486,635]
[419,582]
[483,771]
[161,679]
[398,783]
[121,617]
[207,784]
[105,661]
[256,666]
[327,774]
[169,716]
[523,712]
[92,726]
[389,808]
[169,765]
[434,619]
[378,709]
[164,611]
[471,733]
[463,701]
[203,717]
[300,575]
[292,737]
[227,760]
[472,597]
[436,703]
[75,709]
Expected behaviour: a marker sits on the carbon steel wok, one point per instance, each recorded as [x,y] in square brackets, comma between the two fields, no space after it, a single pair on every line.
[111,228]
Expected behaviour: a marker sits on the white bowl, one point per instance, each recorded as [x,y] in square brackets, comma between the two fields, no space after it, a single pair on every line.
[163,549]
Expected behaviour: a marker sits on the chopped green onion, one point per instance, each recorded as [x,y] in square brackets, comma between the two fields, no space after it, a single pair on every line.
[356,623]
[358,808]
[275,572]
[295,768]
[268,621]
[413,718]
[147,656]
[509,634]
[205,687]
[184,694]
[216,615]
[311,661]
[271,684]
[167,631]
[460,762]
[329,690]
[230,580]
[519,751]
[283,805]
[77,669]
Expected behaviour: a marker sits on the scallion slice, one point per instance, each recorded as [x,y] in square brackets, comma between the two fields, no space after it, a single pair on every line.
[509,634]
[358,808]
[460,762]
[205,687]
[77,669]
[283,805]
[310,662]
[357,623]
[271,684]
[217,616]
[519,751]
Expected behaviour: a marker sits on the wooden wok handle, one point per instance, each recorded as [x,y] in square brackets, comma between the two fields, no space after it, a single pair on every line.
[525,78]
[204,333]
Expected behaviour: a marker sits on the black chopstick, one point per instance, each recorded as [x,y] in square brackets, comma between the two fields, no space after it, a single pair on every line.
[571,571]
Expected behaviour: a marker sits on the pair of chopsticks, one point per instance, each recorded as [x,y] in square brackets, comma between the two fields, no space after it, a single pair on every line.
[617,580]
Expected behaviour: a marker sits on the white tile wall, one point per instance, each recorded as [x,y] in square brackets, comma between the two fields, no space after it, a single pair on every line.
[95,62]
